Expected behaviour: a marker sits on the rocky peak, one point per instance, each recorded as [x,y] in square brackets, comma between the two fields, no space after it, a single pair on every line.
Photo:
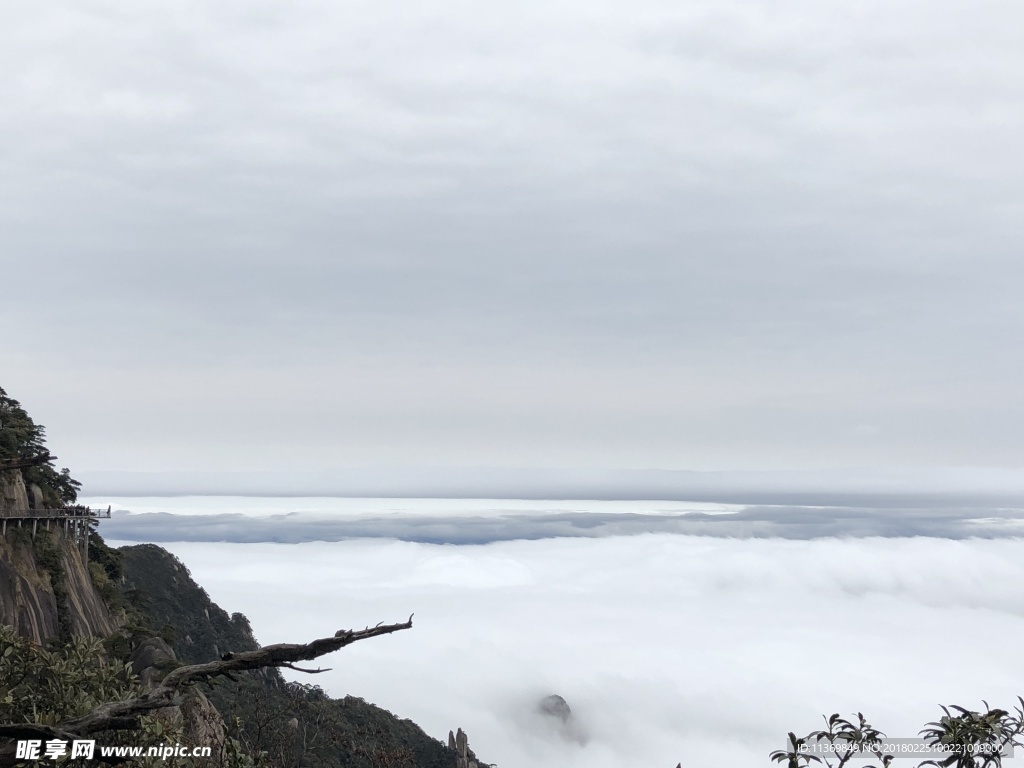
[459,743]
[555,706]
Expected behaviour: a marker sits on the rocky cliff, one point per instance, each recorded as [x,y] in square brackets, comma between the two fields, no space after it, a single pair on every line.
[200,721]
[49,592]
[39,599]
[13,491]
[45,588]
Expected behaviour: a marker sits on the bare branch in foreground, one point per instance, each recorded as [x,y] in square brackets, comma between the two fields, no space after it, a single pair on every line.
[316,671]
[119,715]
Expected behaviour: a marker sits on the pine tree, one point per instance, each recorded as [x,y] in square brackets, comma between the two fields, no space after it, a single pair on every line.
[22,438]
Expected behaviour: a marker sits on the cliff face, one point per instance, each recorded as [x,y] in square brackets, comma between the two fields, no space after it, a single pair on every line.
[27,602]
[89,615]
[202,723]
[44,584]
[29,598]
[13,492]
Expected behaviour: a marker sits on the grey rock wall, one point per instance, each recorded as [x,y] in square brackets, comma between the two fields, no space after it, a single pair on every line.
[203,724]
[27,600]
[459,742]
[13,493]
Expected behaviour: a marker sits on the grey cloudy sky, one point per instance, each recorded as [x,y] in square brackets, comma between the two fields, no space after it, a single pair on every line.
[711,235]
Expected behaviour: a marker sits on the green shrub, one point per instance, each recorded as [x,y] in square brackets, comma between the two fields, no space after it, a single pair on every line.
[966,739]
[47,686]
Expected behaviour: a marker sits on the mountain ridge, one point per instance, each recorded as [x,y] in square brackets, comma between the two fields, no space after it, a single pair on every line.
[63,589]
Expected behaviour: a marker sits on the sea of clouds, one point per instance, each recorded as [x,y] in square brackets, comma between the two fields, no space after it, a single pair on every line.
[481,521]
[668,646]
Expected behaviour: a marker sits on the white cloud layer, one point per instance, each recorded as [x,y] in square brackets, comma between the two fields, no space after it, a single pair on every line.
[482,521]
[484,526]
[667,648]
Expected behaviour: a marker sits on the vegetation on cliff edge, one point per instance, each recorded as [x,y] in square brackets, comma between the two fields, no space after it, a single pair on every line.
[299,724]
[22,438]
[270,722]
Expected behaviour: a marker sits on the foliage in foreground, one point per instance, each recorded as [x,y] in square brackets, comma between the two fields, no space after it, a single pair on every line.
[961,738]
[48,686]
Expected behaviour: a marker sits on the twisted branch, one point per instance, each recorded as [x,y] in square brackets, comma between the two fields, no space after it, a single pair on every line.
[119,715]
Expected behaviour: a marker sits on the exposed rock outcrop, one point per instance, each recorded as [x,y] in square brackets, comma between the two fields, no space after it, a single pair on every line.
[203,724]
[34,600]
[27,602]
[90,616]
[555,706]
[464,757]
[36,500]
[559,716]
[45,588]
[151,660]
[13,492]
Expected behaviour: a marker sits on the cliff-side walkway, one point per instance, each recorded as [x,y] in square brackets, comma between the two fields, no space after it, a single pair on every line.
[72,520]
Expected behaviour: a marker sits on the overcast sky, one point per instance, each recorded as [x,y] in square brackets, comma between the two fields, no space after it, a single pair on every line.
[259,236]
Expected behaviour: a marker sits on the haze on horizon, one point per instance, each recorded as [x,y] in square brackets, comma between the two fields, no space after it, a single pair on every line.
[312,237]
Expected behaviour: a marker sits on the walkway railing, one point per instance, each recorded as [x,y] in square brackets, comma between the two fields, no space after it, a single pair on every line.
[56,513]
[71,521]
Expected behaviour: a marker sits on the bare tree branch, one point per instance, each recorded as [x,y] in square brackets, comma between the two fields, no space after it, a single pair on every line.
[117,715]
